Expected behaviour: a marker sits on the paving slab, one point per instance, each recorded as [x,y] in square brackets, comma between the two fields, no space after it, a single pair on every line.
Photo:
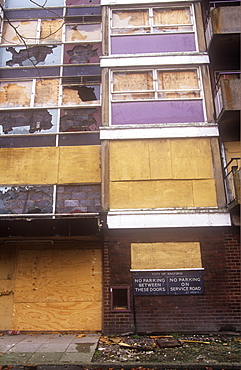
[47,348]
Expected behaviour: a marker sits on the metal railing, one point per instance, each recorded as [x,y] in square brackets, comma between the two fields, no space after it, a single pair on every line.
[208,22]
[232,179]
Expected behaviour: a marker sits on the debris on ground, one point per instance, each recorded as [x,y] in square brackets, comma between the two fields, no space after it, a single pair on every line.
[176,348]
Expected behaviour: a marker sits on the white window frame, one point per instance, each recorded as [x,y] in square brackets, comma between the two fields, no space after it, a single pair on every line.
[151,20]
[155,85]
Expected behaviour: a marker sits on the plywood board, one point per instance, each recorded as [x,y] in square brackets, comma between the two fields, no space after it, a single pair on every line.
[59,289]
[232,150]
[58,275]
[191,159]
[151,194]
[82,316]
[21,166]
[7,281]
[160,159]
[79,164]
[140,160]
[165,255]
[204,193]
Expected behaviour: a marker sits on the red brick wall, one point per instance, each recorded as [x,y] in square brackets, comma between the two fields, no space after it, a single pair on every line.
[217,309]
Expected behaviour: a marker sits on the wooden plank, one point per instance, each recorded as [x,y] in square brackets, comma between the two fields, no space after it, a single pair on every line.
[58,276]
[165,255]
[82,316]
[79,164]
[21,166]
[151,194]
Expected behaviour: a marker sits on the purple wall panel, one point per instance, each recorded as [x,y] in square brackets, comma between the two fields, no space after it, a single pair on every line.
[132,44]
[151,112]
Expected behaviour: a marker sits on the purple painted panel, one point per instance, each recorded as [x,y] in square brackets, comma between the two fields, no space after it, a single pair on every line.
[132,44]
[151,112]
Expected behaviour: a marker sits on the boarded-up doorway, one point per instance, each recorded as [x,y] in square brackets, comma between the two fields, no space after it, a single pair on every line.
[58,289]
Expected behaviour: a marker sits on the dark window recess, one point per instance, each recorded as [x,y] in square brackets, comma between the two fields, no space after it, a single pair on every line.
[49,13]
[85,119]
[37,120]
[83,11]
[82,54]
[87,138]
[36,54]
[29,72]
[28,141]
[80,80]
[120,298]
[88,70]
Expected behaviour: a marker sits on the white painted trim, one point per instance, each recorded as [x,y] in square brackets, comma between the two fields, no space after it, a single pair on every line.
[181,269]
[164,59]
[150,132]
[160,219]
[135,2]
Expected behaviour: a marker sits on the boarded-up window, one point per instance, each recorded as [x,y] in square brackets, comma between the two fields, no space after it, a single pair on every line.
[19,32]
[152,20]
[134,21]
[172,20]
[83,32]
[51,31]
[15,94]
[47,92]
[140,83]
[170,84]
[151,256]
[178,84]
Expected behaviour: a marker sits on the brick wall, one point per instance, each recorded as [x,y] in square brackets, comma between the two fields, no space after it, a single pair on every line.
[217,309]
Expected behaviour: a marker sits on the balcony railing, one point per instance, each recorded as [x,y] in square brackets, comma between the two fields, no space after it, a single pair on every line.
[232,180]
[220,91]
[209,31]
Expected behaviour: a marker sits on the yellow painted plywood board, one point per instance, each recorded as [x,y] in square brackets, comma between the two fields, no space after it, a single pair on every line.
[84,316]
[191,159]
[204,193]
[21,166]
[58,275]
[151,194]
[79,164]
[165,255]
[140,160]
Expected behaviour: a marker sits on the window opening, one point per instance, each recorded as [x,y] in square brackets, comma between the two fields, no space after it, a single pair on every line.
[120,298]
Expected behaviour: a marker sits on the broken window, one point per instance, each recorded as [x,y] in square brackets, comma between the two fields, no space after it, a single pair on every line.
[29,4]
[46,93]
[85,119]
[32,32]
[156,84]
[152,20]
[81,94]
[15,94]
[22,122]
[83,32]
[82,53]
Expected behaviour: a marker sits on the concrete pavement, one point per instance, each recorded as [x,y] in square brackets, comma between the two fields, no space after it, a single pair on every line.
[47,349]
